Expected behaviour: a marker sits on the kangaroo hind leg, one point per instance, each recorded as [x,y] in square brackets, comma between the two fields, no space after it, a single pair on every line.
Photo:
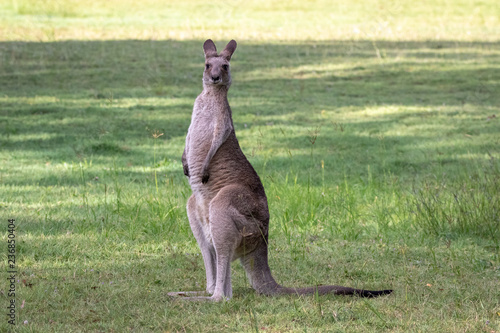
[207,251]
[226,239]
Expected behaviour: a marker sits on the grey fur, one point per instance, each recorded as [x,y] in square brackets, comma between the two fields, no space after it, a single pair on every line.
[228,210]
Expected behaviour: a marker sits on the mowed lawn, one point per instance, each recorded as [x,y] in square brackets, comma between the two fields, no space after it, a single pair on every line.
[374,127]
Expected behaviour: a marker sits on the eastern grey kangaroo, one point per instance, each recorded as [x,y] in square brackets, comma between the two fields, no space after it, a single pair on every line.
[228,210]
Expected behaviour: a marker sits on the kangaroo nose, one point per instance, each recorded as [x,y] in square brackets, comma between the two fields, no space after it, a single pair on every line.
[215,78]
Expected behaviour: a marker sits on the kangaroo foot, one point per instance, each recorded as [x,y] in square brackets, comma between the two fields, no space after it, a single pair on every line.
[185,294]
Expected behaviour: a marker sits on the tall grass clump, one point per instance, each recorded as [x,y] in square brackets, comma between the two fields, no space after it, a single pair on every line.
[465,208]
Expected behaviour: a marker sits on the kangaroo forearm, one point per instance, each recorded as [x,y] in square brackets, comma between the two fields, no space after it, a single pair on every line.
[219,138]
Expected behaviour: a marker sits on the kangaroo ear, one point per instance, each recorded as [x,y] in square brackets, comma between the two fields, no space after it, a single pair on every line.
[209,49]
[229,50]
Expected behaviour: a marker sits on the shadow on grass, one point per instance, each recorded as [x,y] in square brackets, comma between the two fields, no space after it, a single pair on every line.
[77,101]
[407,72]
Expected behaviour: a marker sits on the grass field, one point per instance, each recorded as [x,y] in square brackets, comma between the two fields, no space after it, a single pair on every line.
[374,127]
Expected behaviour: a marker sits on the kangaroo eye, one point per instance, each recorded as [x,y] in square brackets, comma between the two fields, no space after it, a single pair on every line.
[225,67]
[207,66]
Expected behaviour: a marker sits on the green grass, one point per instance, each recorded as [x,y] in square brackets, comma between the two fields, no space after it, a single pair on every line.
[374,127]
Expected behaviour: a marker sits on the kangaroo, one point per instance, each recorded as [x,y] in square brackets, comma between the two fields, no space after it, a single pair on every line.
[228,210]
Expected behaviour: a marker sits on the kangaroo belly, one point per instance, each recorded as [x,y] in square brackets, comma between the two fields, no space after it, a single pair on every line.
[228,166]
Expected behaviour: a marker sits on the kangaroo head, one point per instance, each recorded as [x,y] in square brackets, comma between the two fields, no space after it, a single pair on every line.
[217,66]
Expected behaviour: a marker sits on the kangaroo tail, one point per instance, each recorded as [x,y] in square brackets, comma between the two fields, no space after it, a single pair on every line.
[261,279]
[322,290]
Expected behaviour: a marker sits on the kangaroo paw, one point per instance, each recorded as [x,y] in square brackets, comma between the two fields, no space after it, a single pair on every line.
[205,177]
